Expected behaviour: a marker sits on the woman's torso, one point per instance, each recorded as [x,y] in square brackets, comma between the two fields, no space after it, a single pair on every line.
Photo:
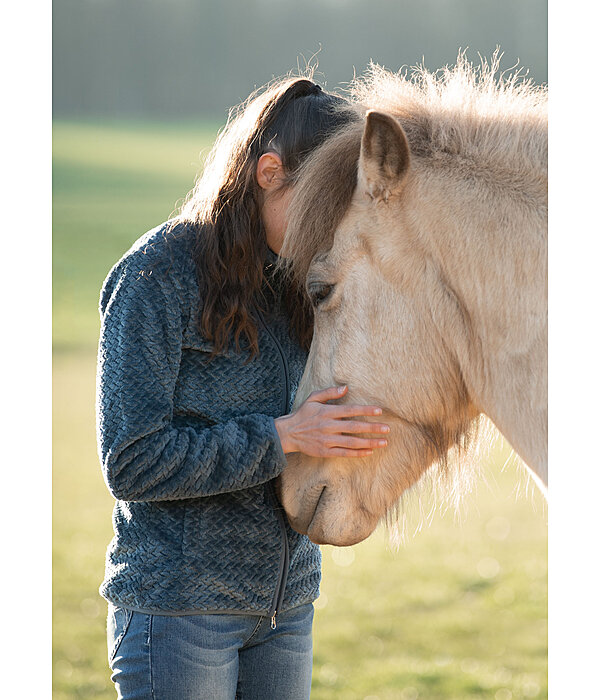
[231,551]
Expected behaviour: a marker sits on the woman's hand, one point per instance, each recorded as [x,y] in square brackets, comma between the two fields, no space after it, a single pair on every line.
[319,429]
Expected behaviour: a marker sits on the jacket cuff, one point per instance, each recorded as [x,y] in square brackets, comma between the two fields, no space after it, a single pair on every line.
[279,453]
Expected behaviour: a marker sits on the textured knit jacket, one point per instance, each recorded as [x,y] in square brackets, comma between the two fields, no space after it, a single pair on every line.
[189,449]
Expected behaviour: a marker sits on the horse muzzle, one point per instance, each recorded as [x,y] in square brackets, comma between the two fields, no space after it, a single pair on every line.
[317,507]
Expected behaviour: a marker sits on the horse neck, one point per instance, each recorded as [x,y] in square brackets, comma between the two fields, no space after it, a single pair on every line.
[490,245]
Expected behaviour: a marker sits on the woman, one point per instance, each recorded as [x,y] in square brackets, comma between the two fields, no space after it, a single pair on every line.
[202,346]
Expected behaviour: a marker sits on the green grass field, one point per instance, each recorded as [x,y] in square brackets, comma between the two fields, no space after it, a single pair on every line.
[458,611]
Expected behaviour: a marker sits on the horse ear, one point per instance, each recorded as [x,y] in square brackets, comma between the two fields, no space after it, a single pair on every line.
[384,156]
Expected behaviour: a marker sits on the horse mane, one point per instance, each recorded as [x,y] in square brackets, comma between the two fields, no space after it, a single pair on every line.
[323,189]
[462,115]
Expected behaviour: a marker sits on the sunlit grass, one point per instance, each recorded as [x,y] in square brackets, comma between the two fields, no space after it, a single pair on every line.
[457,611]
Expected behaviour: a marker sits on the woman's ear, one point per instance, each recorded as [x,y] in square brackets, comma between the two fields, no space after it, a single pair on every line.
[269,171]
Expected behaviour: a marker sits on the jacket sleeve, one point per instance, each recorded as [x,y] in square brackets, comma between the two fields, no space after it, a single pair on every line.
[144,456]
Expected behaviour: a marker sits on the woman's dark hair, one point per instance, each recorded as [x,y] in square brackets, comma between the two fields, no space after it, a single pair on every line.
[291,117]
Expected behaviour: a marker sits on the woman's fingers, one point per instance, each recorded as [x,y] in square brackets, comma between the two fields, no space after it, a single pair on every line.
[352,426]
[343,410]
[332,392]
[354,443]
[353,410]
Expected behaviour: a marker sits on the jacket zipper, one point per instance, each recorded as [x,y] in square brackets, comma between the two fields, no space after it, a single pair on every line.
[284,560]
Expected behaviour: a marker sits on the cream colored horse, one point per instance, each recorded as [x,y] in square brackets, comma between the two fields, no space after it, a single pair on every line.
[421,235]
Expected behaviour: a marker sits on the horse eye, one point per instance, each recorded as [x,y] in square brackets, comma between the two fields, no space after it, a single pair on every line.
[319,292]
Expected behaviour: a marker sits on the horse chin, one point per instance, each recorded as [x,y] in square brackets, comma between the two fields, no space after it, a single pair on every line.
[333,523]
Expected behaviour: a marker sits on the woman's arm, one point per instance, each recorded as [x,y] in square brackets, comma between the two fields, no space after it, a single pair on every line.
[144,456]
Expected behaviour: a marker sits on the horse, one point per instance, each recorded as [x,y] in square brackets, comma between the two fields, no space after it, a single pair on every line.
[420,234]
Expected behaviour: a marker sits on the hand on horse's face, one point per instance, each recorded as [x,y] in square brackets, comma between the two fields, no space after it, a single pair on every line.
[319,429]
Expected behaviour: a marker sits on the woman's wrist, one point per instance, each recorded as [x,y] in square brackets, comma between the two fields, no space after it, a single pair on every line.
[282,425]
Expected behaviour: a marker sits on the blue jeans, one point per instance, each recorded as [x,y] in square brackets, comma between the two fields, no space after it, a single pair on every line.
[210,657]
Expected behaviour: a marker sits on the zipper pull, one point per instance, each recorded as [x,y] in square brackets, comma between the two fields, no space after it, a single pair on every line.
[274,621]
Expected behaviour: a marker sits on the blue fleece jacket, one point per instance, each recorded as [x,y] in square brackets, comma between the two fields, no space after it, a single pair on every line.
[189,448]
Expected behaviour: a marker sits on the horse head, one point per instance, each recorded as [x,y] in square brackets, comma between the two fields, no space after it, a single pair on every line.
[428,301]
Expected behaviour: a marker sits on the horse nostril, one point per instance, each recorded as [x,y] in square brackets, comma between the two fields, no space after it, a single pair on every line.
[308,506]
[318,502]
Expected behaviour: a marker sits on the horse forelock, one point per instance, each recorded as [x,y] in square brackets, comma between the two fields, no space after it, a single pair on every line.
[322,193]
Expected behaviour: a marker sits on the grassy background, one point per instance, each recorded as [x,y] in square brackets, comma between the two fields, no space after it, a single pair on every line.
[458,611]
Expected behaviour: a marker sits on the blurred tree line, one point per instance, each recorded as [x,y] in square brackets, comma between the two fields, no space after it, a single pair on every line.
[196,58]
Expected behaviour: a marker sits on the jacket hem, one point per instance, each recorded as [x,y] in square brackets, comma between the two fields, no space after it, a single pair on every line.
[196,611]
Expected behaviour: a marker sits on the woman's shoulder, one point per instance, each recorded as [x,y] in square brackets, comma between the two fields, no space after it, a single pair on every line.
[167,246]
[163,257]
